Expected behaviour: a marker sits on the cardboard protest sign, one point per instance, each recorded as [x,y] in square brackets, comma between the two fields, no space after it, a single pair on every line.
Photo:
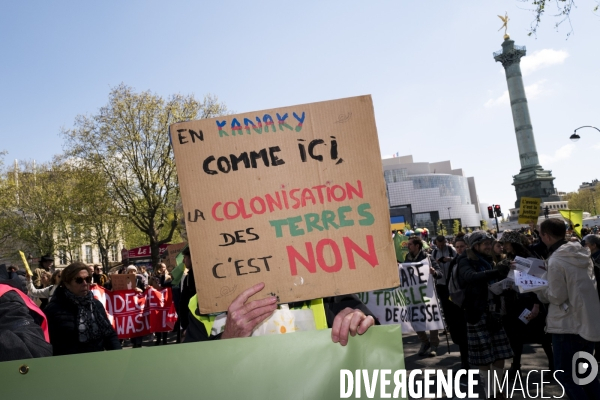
[135,314]
[413,305]
[529,210]
[172,251]
[123,281]
[293,197]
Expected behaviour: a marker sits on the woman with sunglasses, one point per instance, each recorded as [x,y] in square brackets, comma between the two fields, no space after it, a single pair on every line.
[77,322]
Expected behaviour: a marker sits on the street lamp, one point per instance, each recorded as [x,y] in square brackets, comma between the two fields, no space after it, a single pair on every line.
[575,137]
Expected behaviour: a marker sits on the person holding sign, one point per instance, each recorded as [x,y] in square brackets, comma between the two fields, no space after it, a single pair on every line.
[345,315]
[50,283]
[518,332]
[488,343]
[46,265]
[77,322]
[574,306]
[429,345]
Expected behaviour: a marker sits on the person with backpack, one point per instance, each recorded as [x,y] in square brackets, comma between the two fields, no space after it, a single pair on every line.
[487,342]
[429,345]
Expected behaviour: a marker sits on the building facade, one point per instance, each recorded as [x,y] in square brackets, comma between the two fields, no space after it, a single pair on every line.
[426,193]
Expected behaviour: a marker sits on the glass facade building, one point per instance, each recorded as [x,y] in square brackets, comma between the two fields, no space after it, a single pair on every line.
[434,192]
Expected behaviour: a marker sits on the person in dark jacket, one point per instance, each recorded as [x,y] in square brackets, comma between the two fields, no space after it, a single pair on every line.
[188,290]
[592,242]
[488,344]
[77,322]
[518,332]
[454,314]
[21,333]
[19,277]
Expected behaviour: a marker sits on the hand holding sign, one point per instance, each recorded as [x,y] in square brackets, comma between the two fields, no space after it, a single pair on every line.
[243,317]
[349,321]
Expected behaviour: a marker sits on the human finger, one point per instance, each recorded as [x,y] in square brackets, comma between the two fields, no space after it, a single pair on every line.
[267,301]
[357,317]
[345,328]
[258,311]
[365,324]
[337,324]
[239,301]
[258,315]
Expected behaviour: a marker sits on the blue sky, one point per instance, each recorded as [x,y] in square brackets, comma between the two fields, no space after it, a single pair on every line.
[437,91]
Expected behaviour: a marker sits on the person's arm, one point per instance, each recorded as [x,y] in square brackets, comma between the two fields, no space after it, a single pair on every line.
[43,293]
[468,275]
[435,269]
[557,292]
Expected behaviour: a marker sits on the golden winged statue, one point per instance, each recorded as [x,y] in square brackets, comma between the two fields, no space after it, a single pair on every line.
[505,20]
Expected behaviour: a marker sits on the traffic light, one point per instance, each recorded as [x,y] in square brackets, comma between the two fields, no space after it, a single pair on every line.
[491,212]
[546,211]
[497,210]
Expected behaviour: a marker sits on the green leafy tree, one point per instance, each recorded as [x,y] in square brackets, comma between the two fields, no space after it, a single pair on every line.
[484,225]
[455,227]
[583,200]
[38,199]
[441,228]
[128,141]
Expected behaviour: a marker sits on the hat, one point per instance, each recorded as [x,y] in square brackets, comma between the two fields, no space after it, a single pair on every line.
[511,237]
[47,258]
[478,237]
[132,268]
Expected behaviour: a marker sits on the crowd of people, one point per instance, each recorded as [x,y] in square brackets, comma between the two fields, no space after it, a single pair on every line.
[487,326]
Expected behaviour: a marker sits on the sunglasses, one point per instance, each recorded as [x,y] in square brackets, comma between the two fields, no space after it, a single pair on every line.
[79,280]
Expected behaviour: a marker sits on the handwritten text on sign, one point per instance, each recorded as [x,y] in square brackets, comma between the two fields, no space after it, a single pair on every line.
[413,305]
[293,197]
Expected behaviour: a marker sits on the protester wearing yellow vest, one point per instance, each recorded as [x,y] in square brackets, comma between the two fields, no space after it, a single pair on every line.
[344,314]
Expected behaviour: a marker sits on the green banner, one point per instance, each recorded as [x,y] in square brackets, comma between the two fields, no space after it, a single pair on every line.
[301,365]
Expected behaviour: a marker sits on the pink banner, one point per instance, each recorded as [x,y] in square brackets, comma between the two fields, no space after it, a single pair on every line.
[135,314]
[144,251]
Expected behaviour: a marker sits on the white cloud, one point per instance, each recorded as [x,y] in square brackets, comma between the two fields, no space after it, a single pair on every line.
[502,100]
[542,59]
[533,91]
[562,153]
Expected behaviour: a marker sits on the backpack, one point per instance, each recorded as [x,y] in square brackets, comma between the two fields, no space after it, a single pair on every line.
[456,292]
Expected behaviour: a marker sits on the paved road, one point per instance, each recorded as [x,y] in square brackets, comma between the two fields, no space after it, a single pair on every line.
[533,358]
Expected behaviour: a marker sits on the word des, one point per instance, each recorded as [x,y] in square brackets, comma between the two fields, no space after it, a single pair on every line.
[238,237]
